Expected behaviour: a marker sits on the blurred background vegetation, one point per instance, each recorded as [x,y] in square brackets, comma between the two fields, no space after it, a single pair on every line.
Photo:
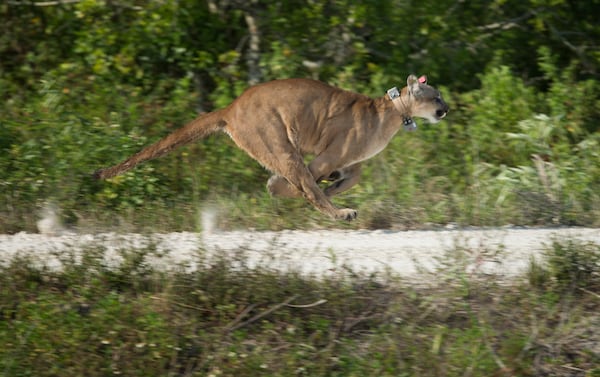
[83,84]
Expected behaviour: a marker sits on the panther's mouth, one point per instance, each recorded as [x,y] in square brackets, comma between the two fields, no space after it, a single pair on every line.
[437,116]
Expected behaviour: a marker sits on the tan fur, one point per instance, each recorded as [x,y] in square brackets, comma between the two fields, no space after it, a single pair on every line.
[279,122]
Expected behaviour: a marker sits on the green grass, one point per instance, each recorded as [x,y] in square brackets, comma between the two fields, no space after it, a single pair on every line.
[226,319]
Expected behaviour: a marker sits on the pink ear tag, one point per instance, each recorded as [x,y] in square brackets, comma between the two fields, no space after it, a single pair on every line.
[423,79]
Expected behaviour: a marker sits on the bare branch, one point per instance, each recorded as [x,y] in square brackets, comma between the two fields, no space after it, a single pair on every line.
[579,51]
[263,314]
[494,28]
[508,24]
[42,3]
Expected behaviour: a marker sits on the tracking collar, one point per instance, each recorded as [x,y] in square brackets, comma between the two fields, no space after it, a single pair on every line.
[407,121]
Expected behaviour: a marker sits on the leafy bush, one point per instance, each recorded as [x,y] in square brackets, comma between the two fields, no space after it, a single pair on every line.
[569,266]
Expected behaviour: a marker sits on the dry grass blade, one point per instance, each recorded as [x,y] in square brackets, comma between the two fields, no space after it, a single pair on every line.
[316,303]
[590,292]
[262,314]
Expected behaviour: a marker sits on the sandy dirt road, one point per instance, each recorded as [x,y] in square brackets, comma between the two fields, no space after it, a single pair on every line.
[505,252]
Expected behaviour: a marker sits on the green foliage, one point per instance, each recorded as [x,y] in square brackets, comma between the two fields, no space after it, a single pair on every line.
[88,83]
[498,106]
[94,318]
[569,266]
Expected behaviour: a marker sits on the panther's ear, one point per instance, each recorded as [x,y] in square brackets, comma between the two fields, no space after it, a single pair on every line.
[411,80]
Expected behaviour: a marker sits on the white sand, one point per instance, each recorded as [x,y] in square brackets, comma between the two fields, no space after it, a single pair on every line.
[505,252]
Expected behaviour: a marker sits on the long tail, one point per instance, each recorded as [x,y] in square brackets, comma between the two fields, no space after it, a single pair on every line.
[199,128]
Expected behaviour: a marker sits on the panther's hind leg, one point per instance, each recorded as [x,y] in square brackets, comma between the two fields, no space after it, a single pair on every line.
[280,187]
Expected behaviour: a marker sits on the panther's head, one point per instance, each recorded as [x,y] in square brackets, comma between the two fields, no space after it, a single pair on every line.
[425,100]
